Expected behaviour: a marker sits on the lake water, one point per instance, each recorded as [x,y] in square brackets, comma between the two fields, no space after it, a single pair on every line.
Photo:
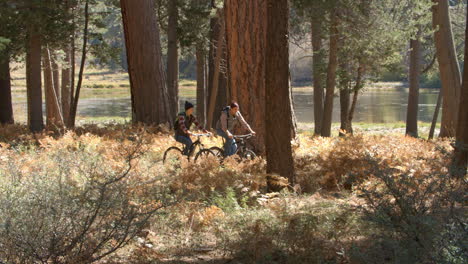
[373,106]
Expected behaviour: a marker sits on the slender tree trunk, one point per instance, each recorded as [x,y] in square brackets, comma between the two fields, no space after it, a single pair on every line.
[150,100]
[345,98]
[460,159]
[52,101]
[357,87]
[6,106]
[56,76]
[413,97]
[278,116]
[448,67]
[66,85]
[76,96]
[33,80]
[318,73]
[173,58]
[331,76]
[201,84]
[216,73]
[245,34]
[435,116]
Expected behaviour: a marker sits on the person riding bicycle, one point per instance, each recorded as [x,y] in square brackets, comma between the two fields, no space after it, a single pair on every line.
[182,125]
[229,119]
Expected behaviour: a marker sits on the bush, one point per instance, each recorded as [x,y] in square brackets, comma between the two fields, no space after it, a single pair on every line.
[73,201]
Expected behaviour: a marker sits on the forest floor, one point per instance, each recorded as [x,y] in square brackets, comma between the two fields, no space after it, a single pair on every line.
[350,198]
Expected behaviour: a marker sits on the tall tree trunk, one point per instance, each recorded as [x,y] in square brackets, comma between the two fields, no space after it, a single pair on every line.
[331,76]
[33,80]
[345,98]
[216,69]
[52,101]
[173,58]
[278,116]
[76,96]
[66,85]
[6,106]
[150,100]
[435,116]
[413,97]
[201,84]
[318,61]
[448,67]
[245,34]
[460,159]
[357,87]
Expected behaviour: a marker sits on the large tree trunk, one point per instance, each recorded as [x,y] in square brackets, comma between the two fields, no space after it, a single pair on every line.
[173,58]
[448,67]
[318,73]
[6,106]
[245,34]
[331,76]
[278,118]
[66,85]
[52,101]
[413,97]
[460,159]
[33,80]
[147,79]
[201,84]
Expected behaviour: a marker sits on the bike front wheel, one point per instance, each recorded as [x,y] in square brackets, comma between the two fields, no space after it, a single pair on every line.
[249,155]
[204,154]
[219,152]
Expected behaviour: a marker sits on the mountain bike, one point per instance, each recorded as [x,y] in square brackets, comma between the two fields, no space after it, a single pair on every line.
[175,154]
[243,149]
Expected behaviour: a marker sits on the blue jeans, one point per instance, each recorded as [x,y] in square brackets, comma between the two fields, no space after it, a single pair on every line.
[187,141]
[230,146]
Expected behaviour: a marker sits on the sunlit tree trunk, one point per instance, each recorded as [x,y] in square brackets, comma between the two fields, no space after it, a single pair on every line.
[150,103]
[413,97]
[318,73]
[245,34]
[278,112]
[52,103]
[173,58]
[33,80]
[448,67]
[460,160]
[6,106]
[331,76]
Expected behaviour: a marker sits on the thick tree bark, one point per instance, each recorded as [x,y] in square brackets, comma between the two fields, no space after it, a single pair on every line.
[76,96]
[173,58]
[278,118]
[448,67]
[201,84]
[460,159]
[331,76]
[435,116]
[413,97]
[33,80]
[53,113]
[150,103]
[245,34]
[6,106]
[66,85]
[318,73]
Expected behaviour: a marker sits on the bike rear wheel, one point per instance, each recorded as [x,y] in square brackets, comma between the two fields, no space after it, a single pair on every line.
[173,155]
[218,152]
[204,154]
[249,155]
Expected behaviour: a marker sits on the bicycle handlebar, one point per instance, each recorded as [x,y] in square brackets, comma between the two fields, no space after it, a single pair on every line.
[201,135]
[243,136]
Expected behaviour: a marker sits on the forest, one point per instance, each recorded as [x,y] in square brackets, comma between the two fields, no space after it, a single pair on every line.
[233,131]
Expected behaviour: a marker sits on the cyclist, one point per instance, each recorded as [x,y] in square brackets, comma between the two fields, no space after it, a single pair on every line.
[182,125]
[229,119]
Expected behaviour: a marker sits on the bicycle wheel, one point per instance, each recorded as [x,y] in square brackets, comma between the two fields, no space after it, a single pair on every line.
[203,154]
[172,155]
[219,152]
[249,155]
